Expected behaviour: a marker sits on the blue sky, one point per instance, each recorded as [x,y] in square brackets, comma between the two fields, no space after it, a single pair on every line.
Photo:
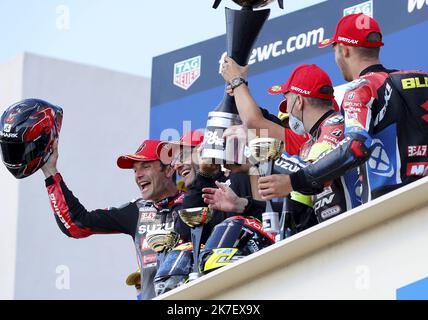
[120,35]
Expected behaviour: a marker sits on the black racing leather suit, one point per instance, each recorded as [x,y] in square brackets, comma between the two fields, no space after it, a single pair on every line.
[135,218]
[386,136]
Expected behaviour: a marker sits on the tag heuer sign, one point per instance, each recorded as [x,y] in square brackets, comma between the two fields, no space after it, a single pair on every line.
[364,7]
[186,72]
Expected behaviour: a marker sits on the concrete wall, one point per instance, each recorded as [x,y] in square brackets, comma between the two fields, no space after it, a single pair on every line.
[106,113]
[10,91]
[366,253]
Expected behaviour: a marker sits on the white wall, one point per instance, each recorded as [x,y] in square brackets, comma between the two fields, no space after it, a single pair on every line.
[10,91]
[106,113]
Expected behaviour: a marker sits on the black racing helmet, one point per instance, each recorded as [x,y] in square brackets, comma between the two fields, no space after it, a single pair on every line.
[28,130]
[174,270]
[231,240]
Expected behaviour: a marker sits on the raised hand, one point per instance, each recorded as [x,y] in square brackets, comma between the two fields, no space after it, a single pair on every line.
[223,199]
[230,69]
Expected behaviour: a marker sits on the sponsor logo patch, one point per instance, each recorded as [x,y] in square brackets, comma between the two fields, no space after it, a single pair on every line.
[413,83]
[417,151]
[150,215]
[353,104]
[325,41]
[276,89]
[334,120]
[186,72]
[212,138]
[364,7]
[379,161]
[330,212]
[347,40]
[149,258]
[327,138]
[8,135]
[351,96]
[300,90]
[327,191]
[337,133]
[417,169]
[7,127]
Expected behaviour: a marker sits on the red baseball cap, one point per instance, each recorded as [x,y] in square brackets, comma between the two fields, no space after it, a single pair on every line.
[190,139]
[308,80]
[149,150]
[168,149]
[353,30]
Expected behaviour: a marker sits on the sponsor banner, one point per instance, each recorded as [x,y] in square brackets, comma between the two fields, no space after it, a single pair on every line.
[363,7]
[187,72]
[417,169]
[283,41]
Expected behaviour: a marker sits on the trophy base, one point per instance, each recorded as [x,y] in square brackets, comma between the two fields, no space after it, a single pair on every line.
[214,144]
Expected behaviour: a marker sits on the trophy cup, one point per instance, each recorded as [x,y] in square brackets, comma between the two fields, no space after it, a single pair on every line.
[195,218]
[265,151]
[242,29]
[161,241]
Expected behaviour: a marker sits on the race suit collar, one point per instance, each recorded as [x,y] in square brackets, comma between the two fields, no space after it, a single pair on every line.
[315,127]
[168,201]
[376,68]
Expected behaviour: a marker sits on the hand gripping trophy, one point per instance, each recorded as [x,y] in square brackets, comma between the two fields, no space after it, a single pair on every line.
[242,29]
[265,151]
[195,218]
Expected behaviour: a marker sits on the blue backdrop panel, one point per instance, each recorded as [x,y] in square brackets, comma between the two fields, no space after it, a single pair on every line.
[405,48]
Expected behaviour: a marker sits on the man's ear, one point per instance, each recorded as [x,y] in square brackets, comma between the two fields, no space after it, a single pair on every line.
[300,101]
[346,50]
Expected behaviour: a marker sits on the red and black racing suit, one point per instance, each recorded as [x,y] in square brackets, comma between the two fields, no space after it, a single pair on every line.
[326,133]
[135,218]
[386,135]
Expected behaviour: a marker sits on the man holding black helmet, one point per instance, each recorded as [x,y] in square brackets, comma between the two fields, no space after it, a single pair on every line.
[154,177]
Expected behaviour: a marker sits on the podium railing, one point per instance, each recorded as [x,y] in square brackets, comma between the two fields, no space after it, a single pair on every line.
[366,253]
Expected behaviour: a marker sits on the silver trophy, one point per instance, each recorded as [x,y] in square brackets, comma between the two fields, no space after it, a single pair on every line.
[265,151]
[195,218]
[242,29]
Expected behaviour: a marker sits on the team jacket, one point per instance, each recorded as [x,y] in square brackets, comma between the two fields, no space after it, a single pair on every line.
[386,135]
[135,219]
